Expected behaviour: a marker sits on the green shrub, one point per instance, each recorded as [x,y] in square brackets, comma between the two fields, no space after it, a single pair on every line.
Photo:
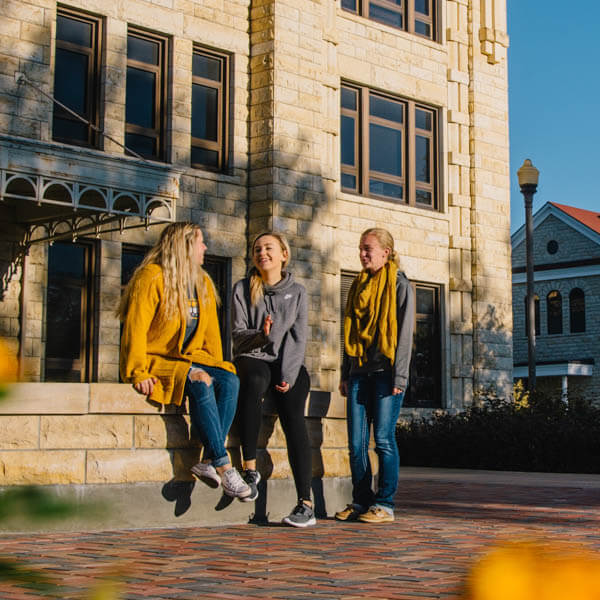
[536,433]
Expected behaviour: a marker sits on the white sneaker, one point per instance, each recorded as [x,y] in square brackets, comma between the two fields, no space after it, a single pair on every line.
[234,485]
[206,473]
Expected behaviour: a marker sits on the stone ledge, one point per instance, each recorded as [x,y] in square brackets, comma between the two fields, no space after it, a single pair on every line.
[121,398]
[179,504]
[46,399]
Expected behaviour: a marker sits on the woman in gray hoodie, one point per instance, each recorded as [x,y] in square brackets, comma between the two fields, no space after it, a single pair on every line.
[270,326]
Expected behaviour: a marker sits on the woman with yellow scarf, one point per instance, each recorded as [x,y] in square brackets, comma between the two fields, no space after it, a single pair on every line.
[378,332]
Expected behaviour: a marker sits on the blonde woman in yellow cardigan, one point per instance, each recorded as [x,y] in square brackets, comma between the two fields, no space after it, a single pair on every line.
[378,332]
[171,347]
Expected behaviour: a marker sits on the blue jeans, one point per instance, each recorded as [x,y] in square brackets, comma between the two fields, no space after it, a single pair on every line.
[212,408]
[370,401]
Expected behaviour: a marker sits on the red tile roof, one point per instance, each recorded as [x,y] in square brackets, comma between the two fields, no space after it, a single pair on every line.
[588,217]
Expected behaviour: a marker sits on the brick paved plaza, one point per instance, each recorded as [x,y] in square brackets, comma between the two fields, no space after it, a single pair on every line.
[444,521]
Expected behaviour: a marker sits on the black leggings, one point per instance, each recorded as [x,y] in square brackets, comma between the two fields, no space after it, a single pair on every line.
[258,377]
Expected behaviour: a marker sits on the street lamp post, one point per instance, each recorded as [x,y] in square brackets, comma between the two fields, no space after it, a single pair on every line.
[528,181]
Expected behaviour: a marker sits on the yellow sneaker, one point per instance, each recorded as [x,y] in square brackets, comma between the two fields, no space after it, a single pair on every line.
[350,513]
[376,514]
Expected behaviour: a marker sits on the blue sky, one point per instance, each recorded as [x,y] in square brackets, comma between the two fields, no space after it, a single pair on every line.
[554,101]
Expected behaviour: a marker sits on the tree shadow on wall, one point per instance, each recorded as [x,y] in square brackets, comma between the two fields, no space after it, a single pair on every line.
[493,352]
[298,188]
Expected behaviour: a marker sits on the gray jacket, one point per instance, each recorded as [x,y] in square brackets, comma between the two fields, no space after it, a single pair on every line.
[405,315]
[286,343]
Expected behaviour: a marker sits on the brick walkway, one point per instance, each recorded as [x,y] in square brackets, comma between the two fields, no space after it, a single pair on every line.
[443,523]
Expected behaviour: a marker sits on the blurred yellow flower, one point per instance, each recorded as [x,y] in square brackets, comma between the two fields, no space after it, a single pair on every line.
[8,364]
[532,571]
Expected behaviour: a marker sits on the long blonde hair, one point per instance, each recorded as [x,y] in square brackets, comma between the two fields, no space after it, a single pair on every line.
[174,253]
[257,289]
[385,239]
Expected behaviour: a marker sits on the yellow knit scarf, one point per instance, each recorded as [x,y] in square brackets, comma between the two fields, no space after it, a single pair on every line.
[371,309]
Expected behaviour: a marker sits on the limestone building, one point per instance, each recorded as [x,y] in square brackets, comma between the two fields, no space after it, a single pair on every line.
[318,118]
[566,255]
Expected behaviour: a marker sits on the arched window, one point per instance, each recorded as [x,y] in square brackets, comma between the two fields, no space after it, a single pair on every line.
[577,310]
[554,308]
[536,304]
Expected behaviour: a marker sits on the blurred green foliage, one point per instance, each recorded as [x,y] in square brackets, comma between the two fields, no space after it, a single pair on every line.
[38,504]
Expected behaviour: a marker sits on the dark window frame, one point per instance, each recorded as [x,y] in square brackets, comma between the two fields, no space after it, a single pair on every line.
[435,320]
[408,180]
[159,131]
[221,146]
[406,11]
[554,313]
[135,250]
[221,266]
[577,320]
[89,317]
[93,84]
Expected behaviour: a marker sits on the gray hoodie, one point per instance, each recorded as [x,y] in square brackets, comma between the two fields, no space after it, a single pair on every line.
[405,316]
[286,343]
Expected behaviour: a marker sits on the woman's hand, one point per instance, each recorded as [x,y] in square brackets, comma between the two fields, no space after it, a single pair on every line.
[283,387]
[197,374]
[267,325]
[343,387]
[145,387]
[397,391]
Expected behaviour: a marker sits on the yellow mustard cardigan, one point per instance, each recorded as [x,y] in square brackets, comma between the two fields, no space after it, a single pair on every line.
[148,350]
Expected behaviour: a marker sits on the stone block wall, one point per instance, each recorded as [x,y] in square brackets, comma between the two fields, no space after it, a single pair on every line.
[102,433]
[216,201]
[288,60]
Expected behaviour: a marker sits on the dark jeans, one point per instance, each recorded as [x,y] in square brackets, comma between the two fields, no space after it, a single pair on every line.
[370,401]
[212,408]
[258,378]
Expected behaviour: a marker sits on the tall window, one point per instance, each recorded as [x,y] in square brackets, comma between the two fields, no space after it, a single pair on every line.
[424,389]
[554,308]
[414,16]
[69,312]
[388,147]
[131,256]
[76,77]
[209,109]
[577,310]
[146,95]
[536,306]
[219,269]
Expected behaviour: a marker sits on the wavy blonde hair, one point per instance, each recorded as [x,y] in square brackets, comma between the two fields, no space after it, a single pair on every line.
[174,253]
[385,239]
[257,288]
